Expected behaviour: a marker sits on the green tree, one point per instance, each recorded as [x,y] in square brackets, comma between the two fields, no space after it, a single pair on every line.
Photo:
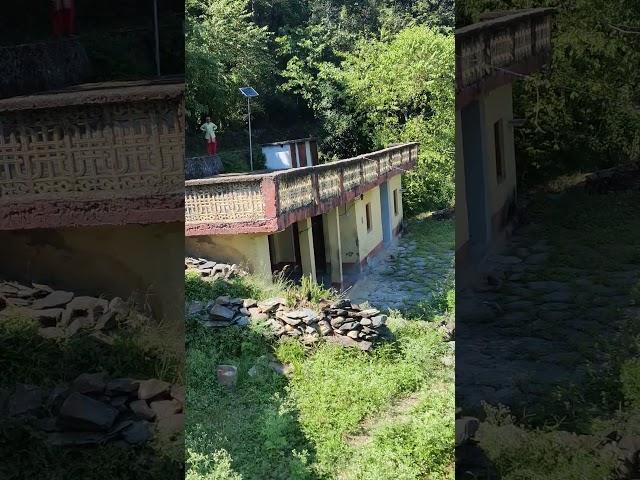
[404,88]
[582,110]
[224,50]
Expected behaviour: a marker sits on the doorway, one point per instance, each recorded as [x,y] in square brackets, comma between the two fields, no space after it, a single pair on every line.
[473,146]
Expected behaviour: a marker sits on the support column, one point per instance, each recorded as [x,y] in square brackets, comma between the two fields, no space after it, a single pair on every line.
[307,254]
[386,213]
[335,247]
[260,258]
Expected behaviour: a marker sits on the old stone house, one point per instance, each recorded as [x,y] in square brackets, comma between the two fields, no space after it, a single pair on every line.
[490,56]
[92,180]
[326,219]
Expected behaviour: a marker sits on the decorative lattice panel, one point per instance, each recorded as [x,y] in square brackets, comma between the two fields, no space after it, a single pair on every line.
[295,192]
[501,48]
[370,170]
[472,61]
[496,44]
[329,184]
[352,176]
[543,34]
[224,202]
[385,162]
[522,42]
[92,152]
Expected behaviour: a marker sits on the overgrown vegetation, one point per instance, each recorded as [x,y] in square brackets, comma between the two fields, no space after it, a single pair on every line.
[361,76]
[299,426]
[541,454]
[582,112]
[28,358]
[599,231]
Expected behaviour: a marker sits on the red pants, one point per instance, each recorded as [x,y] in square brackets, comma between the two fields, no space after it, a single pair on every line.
[212,147]
[64,22]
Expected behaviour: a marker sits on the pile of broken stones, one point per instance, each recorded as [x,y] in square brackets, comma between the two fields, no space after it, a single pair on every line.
[95,410]
[62,314]
[341,322]
[210,271]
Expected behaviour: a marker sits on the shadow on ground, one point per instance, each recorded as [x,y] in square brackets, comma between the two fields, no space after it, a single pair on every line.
[546,334]
[253,422]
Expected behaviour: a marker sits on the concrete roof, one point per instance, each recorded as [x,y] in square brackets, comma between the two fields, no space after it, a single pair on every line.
[98,93]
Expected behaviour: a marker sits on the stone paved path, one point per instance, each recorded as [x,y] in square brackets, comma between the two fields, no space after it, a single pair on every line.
[538,327]
[410,272]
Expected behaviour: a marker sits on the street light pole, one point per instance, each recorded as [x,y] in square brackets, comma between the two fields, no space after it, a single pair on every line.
[249,92]
[157,35]
[250,145]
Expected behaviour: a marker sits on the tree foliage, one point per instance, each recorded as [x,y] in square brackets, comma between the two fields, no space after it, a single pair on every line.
[583,110]
[369,73]
[404,88]
[224,50]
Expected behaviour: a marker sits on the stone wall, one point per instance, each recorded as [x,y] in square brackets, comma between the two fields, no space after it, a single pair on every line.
[42,66]
[202,167]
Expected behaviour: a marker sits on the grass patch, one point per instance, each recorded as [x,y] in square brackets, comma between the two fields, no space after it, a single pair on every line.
[28,358]
[254,286]
[143,352]
[418,446]
[352,385]
[31,458]
[603,230]
[541,454]
[296,427]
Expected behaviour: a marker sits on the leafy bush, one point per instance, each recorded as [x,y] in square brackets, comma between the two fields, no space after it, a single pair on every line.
[216,466]
[518,454]
[630,379]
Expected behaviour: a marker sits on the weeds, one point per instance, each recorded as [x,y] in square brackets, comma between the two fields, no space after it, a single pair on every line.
[276,427]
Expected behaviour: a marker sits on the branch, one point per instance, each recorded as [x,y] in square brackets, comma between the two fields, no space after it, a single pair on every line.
[625,29]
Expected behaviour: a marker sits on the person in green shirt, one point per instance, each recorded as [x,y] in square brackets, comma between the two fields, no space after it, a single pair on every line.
[209,128]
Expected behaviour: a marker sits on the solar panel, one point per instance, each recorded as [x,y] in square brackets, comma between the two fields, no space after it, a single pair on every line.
[248,92]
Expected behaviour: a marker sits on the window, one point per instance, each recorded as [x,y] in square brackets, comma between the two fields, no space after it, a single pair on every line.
[498,145]
[367,209]
[395,202]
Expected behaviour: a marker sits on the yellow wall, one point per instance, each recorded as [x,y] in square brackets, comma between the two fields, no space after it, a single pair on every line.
[140,261]
[248,250]
[462,226]
[368,240]
[498,105]
[395,183]
[349,232]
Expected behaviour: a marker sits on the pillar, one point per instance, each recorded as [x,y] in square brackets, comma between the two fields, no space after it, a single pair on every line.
[307,254]
[386,212]
[335,246]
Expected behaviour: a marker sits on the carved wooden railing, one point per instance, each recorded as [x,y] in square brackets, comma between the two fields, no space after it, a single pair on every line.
[99,154]
[269,202]
[507,44]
